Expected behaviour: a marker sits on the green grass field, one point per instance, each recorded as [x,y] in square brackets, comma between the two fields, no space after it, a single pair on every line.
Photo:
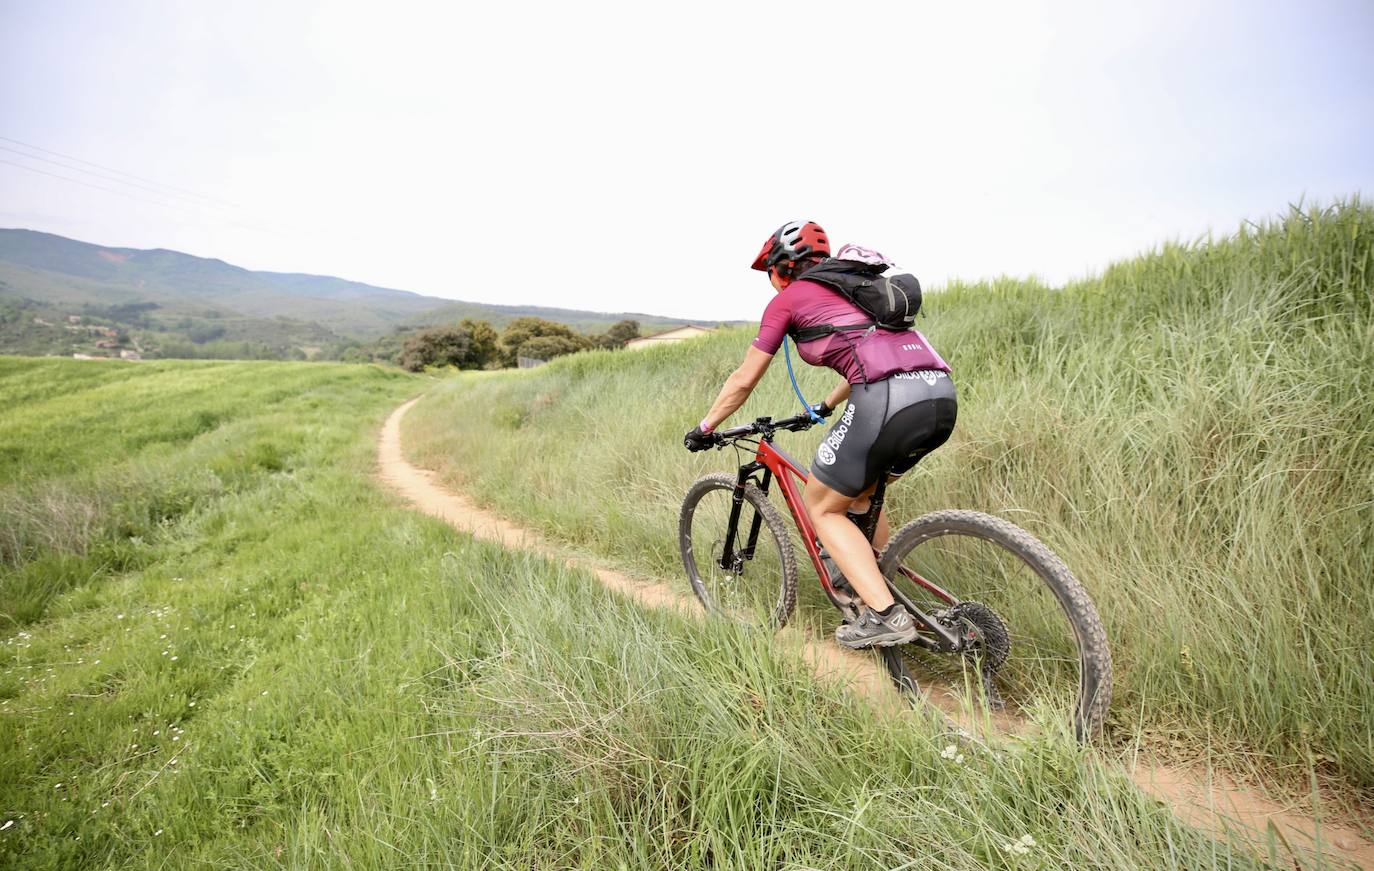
[224,645]
[1192,432]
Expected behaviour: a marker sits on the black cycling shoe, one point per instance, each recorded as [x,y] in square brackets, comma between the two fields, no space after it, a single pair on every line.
[872,629]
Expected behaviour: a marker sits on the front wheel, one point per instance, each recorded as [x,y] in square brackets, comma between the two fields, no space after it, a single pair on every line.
[748,571]
[1033,636]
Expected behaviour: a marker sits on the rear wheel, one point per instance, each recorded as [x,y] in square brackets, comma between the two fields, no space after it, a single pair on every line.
[756,585]
[1033,636]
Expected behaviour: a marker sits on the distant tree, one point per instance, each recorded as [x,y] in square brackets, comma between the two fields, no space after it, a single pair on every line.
[548,347]
[438,346]
[522,330]
[202,333]
[354,354]
[484,339]
[619,333]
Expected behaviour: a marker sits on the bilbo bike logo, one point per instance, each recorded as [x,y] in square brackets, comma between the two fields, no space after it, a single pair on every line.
[929,376]
[826,452]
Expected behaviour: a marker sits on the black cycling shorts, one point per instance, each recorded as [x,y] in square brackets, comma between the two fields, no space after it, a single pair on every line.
[887,426]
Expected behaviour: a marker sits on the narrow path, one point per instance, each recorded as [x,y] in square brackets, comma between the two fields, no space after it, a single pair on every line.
[1209,802]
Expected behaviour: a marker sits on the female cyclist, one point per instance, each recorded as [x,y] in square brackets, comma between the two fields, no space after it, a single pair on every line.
[901,406]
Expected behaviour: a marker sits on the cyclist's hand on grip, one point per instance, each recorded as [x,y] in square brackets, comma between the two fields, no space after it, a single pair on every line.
[696,440]
[820,409]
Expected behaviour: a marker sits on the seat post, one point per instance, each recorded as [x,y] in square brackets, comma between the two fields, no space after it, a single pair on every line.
[868,521]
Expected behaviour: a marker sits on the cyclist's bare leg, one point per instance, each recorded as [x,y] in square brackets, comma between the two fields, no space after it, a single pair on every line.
[846,543]
[882,532]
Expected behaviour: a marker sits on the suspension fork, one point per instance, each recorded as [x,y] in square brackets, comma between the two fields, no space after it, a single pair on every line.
[728,561]
[757,521]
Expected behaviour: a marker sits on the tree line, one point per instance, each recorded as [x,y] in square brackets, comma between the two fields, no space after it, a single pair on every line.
[474,344]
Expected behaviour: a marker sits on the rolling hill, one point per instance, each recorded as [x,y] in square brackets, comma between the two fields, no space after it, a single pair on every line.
[173,298]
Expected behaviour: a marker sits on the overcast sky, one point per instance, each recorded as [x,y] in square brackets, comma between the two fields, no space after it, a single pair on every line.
[635,156]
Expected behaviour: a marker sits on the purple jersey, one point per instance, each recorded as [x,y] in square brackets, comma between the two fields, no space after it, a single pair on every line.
[858,356]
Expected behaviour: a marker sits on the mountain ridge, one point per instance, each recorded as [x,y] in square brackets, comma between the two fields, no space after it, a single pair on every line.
[45,276]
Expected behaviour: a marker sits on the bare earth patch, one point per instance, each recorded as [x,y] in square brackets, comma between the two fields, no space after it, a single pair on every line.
[1206,800]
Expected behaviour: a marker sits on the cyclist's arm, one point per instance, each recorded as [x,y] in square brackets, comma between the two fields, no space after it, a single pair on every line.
[838,395]
[738,386]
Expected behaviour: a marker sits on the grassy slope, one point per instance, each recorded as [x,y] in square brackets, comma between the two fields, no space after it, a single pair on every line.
[1192,432]
[295,671]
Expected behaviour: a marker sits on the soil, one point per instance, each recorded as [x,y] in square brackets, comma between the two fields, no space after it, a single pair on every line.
[1204,799]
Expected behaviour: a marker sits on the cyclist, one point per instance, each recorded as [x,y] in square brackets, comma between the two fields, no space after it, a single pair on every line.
[901,406]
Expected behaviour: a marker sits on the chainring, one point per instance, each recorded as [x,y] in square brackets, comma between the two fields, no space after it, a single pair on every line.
[983,631]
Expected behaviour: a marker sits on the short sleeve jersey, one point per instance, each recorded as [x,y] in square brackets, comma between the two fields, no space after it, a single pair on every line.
[857,355]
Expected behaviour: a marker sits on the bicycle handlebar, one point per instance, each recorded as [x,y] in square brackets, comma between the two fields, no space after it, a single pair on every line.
[765,426]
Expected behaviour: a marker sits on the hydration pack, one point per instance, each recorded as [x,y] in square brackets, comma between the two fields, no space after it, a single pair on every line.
[891,300]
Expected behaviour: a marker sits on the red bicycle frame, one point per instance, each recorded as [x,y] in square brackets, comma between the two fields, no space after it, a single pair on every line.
[775,463]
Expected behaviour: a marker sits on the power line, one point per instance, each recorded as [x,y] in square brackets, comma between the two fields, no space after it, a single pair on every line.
[98,175]
[168,205]
[95,186]
[116,172]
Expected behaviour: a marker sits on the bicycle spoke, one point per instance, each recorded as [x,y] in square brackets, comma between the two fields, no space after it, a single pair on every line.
[747,585]
[1043,662]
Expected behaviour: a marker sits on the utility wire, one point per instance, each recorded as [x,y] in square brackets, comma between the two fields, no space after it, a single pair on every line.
[165,204]
[118,172]
[110,178]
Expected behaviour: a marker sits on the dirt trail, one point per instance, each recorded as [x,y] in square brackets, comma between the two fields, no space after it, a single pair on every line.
[1208,801]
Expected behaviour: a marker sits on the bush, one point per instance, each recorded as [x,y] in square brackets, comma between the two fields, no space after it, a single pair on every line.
[521,331]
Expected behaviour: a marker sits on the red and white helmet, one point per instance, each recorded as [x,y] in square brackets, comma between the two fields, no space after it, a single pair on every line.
[793,241]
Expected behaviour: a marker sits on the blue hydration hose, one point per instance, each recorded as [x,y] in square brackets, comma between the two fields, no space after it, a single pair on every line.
[815,418]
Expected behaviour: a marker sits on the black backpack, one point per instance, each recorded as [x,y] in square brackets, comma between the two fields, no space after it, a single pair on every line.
[891,300]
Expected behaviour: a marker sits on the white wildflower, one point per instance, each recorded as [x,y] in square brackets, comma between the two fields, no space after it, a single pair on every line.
[1021,847]
[158,832]
[7,824]
[174,659]
[949,752]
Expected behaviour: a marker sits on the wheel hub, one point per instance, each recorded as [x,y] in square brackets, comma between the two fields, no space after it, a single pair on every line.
[983,633]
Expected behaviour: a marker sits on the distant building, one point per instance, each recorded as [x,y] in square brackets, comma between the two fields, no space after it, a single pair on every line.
[677,334]
[130,355]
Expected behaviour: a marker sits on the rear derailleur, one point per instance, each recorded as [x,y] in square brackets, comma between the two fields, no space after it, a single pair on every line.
[984,640]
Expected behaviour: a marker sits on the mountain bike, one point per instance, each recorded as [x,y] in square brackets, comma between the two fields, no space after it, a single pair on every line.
[998,613]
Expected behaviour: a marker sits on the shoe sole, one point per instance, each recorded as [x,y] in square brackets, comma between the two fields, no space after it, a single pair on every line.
[888,640]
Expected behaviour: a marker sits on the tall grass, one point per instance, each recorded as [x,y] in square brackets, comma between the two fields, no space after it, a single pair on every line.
[100,460]
[1192,431]
[301,672]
